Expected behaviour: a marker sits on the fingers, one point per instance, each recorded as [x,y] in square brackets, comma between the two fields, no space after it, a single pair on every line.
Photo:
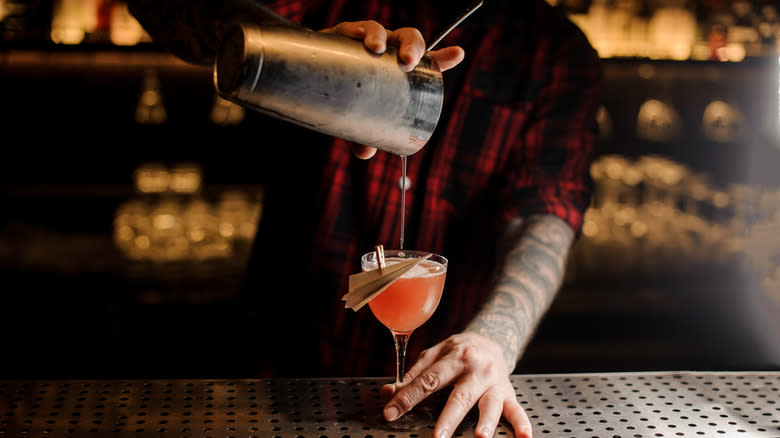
[430,380]
[516,416]
[363,152]
[373,34]
[352,29]
[490,407]
[472,366]
[495,401]
[462,398]
[448,57]
[410,43]
[376,36]
[386,392]
[424,360]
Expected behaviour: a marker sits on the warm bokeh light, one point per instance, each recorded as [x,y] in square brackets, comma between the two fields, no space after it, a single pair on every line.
[151,178]
[125,29]
[185,177]
[170,220]
[658,121]
[723,123]
[225,112]
[672,31]
[652,214]
[70,21]
[150,109]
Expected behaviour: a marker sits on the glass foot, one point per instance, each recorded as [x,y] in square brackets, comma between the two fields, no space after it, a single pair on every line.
[416,419]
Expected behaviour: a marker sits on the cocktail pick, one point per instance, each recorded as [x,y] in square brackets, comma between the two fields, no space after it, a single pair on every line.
[364,286]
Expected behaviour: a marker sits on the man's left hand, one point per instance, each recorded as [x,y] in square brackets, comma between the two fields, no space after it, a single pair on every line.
[474,366]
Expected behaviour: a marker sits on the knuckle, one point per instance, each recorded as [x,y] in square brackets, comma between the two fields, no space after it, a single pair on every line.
[452,342]
[464,399]
[410,32]
[490,398]
[429,381]
[373,24]
[488,368]
[470,354]
[405,401]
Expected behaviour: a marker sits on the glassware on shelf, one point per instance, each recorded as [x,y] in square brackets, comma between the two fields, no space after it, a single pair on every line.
[171,220]
[237,216]
[71,20]
[185,178]
[150,109]
[658,122]
[671,33]
[169,241]
[132,229]
[226,113]
[723,123]
[125,30]
[151,178]
[202,229]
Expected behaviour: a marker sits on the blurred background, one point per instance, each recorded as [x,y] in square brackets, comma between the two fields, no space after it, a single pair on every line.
[124,231]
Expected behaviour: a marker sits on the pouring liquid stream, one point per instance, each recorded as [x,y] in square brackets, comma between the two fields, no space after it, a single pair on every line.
[470,10]
[403,198]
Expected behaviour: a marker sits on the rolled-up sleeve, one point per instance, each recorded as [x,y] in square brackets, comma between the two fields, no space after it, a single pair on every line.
[549,169]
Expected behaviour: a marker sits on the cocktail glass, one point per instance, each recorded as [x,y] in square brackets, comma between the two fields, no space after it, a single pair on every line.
[404,306]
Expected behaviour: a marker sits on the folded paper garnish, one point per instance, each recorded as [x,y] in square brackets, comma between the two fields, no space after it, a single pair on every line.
[364,286]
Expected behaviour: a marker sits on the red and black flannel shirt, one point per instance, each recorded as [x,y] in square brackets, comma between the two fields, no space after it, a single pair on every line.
[515,138]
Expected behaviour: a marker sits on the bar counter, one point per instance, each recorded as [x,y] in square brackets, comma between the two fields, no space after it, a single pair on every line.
[604,405]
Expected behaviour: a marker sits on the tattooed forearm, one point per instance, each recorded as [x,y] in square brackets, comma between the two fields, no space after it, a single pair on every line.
[533,259]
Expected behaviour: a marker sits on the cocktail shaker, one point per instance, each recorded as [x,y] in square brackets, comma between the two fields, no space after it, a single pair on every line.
[331,84]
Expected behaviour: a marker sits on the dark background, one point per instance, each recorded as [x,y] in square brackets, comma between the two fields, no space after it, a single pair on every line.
[73,305]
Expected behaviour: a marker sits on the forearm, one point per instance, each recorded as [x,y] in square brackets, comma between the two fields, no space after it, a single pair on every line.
[531,272]
[192,29]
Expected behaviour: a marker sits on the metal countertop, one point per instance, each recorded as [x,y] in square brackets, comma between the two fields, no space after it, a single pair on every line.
[603,405]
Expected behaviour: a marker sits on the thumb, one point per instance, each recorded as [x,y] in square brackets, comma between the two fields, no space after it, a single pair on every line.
[448,57]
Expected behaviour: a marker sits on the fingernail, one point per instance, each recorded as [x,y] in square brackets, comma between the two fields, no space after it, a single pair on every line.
[375,44]
[526,430]
[442,433]
[412,56]
[485,431]
[391,413]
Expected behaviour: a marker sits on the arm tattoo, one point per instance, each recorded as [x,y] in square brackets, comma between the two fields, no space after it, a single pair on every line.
[531,270]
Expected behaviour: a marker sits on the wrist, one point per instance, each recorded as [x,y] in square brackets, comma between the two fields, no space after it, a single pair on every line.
[505,341]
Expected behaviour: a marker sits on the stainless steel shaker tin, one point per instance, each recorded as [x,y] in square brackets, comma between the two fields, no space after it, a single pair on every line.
[331,84]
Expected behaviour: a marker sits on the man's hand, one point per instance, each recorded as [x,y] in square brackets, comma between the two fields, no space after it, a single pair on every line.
[474,366]
[411,47]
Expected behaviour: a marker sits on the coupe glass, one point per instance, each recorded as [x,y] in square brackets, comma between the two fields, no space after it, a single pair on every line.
[403,307]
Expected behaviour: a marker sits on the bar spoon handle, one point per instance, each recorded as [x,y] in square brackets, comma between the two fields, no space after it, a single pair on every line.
[455,23]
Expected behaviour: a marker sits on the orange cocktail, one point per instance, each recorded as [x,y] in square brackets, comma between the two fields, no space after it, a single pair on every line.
[412,299]
[402,307]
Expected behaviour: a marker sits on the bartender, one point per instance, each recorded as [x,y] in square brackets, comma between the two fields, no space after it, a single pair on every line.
[500,189]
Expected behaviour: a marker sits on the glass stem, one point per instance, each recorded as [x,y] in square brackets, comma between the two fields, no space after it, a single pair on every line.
[401,339]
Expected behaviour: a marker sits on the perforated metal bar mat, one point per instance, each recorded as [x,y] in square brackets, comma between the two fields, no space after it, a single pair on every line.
[630,405]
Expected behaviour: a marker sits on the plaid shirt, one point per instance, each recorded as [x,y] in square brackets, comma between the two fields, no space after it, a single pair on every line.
[515,138]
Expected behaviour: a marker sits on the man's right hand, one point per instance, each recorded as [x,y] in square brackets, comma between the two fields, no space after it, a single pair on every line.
[411,47]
